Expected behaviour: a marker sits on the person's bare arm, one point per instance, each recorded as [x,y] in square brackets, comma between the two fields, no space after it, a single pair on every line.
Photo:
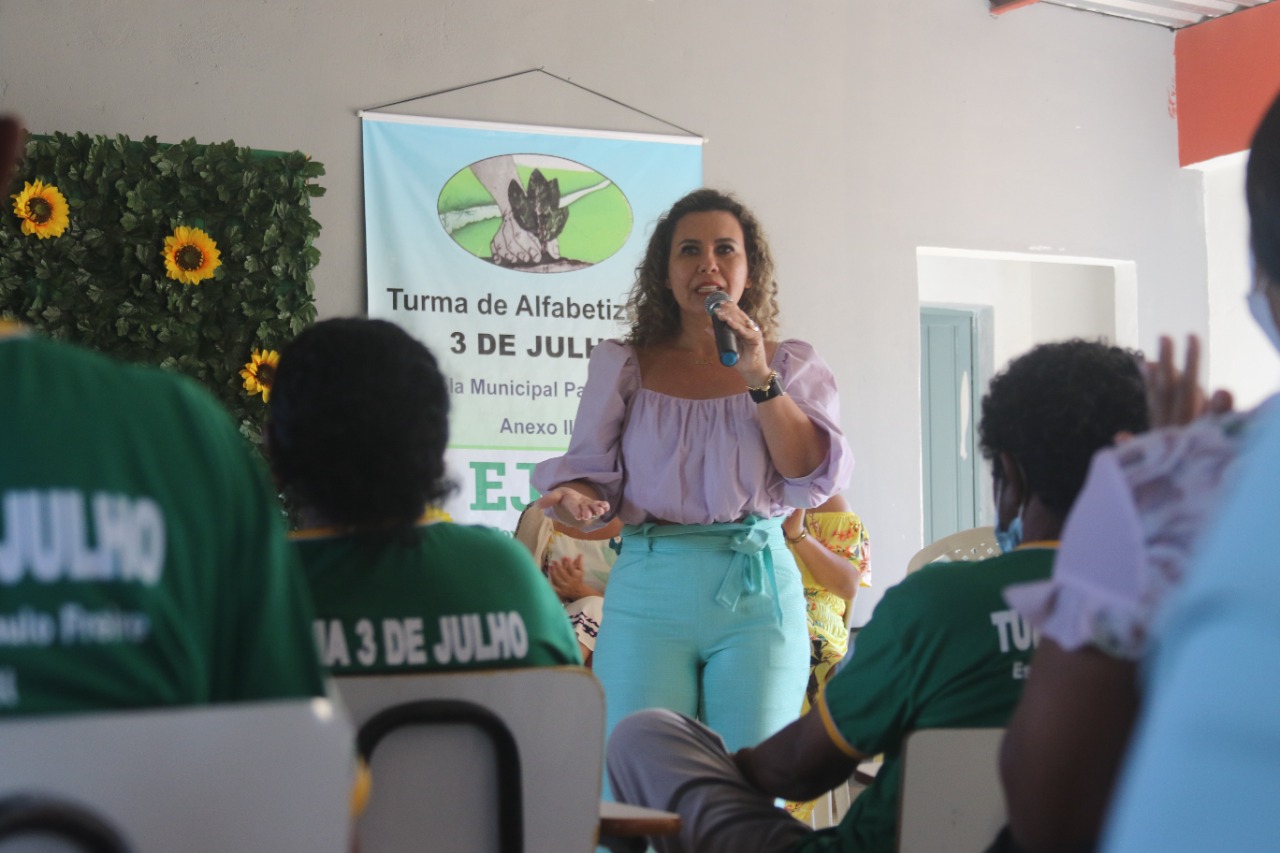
[836,573]
[796,445]
[798,763]
[1063,746]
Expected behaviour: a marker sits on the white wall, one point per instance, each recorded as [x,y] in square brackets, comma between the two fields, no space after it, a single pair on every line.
[1034,300]
[1240,356]
[1072,301]
[858,131]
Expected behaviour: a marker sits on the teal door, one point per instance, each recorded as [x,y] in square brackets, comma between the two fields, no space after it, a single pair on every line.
[948,420]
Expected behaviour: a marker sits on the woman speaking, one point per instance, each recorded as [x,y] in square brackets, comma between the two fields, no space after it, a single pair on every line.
[705,613]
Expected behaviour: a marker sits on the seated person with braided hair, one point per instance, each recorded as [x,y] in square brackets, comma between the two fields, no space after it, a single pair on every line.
[942,649]
[358,425]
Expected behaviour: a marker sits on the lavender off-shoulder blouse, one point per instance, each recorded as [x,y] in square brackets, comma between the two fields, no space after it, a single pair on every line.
[1132,533]
[658,457]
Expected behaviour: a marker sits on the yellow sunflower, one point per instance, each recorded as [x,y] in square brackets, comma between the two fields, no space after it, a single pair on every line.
[260,373]
[42,209]
[190,255]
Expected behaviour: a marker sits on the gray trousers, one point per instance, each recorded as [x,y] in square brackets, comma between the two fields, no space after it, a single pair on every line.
[664,760]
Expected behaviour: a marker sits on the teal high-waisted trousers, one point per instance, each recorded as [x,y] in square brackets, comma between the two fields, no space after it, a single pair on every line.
[709,621]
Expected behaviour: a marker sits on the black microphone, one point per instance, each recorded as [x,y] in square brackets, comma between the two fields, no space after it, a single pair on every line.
[726,340]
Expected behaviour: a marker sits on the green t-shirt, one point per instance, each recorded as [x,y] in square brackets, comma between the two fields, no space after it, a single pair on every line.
[942,649]
[143,559]
[440,596]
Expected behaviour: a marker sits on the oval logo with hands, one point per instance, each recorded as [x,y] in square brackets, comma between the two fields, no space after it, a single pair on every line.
[535,213]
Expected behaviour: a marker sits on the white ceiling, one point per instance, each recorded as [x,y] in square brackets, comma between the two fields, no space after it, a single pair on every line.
[1173,14]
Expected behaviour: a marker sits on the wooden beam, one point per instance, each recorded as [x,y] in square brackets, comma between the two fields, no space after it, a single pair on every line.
[1148,11]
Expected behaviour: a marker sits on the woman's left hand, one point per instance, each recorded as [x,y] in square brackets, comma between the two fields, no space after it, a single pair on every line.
[572,505]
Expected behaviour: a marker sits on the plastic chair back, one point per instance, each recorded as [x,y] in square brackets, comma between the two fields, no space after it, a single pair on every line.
[266,776]
[443,770]
[951,796]
[978,543]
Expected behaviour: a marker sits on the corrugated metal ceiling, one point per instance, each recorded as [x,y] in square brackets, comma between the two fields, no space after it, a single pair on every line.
[1173,14]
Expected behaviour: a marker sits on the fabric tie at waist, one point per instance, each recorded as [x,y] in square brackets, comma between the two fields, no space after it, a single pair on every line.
[750,541]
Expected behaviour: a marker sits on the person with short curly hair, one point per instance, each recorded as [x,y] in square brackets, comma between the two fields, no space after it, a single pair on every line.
[941,650]
[1042,420]
[702,458]
[359,419]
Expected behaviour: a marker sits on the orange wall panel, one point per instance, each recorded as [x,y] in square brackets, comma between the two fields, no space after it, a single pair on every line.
[1227,73]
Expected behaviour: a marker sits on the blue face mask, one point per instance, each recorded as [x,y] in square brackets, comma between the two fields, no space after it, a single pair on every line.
[1260,308]
[1011,537]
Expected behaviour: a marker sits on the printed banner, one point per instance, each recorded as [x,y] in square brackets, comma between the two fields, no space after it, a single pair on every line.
[509,251]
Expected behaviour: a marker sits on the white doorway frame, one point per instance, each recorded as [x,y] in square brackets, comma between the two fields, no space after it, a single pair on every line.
[1003,342]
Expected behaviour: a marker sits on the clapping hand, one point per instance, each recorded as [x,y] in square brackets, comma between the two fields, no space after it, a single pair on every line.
[568,578]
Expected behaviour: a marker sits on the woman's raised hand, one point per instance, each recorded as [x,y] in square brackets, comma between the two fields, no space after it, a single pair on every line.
[571,506]
[1174,397]
[753,360]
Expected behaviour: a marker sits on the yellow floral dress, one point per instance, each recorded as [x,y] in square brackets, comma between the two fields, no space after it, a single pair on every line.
[842,533]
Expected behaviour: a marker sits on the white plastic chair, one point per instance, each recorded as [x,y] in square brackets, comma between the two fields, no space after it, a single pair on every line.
[272,776]
[480,761]
[951,797]
[978,543]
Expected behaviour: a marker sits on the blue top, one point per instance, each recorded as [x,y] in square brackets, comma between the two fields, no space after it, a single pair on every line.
[1202,771]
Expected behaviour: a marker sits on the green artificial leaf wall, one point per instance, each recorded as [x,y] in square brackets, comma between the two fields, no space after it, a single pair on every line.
[102,282]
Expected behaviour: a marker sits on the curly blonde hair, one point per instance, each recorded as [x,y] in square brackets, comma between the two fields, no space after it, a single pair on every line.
[652,310]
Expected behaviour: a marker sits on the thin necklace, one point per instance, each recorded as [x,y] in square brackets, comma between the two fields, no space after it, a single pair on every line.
[691,354]
[696,359]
